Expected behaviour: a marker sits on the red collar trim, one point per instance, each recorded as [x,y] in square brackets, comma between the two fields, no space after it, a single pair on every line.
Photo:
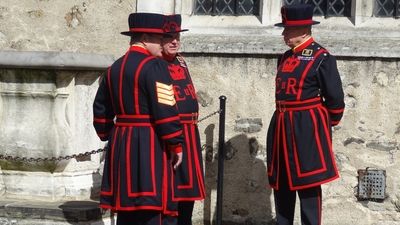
[303,45]
[138,48]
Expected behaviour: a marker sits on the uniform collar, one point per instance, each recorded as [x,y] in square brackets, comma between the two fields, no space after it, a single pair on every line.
[303,45]
[139,48]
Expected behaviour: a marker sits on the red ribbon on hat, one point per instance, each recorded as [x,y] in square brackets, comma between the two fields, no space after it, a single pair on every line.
[298,22]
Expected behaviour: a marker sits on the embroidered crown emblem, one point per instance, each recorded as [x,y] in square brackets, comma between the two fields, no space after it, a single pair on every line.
[290,64]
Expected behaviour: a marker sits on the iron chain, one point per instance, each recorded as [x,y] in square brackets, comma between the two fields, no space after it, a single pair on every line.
[209,115]
[73,156]
[36,160]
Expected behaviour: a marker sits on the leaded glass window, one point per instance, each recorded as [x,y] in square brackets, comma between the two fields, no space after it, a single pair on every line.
[387,8]
[227,7]
[326,8]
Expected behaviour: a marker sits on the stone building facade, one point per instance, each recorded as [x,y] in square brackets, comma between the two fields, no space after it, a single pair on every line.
[53,51]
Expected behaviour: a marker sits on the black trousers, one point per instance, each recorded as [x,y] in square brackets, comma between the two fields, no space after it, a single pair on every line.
[285,202]
[185,210]
[144,217]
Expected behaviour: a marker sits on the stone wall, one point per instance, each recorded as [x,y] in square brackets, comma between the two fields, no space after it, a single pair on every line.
[368,136]
[239,63]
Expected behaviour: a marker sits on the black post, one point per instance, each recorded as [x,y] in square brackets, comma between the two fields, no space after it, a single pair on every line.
[221,156]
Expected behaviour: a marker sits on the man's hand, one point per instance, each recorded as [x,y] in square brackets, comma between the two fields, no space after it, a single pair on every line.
[176,159]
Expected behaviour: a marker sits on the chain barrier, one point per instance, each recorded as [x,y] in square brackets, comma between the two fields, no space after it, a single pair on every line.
[73,156]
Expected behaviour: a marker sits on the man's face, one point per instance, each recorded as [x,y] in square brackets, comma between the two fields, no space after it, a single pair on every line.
[293,36]
[153,44]
[171,44]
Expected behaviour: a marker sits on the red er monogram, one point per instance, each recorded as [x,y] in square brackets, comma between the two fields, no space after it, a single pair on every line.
[290,64]
[180,94]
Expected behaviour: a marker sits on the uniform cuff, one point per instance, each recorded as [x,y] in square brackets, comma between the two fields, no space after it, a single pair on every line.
[175,148]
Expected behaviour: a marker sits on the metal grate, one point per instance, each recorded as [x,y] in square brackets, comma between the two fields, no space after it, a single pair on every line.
[371,184]
[227,7]
[387,8]
[326,8]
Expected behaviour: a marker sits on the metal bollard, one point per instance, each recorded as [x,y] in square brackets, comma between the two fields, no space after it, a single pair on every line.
[221,156]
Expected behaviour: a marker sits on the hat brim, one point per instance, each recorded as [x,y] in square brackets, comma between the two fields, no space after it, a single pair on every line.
[296,25]
[131,33]
[171,32]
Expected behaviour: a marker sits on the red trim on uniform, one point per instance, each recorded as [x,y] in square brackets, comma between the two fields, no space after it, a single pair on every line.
[199,171]
[102,120]
[147,30]
[285,153]
[296,155]
[171,183]
[305,72]
[329,138]
[164,190]
[319,206]
[300,108]
[275,145]
[318,141]
[299,187]
[300,102]
[118,198]
[189,160]
[128,168]
[109,87]
[172,135]
[121,78]
[122,124]
[110,192]
[324,122]
[167,120]
[189,118]
[153,163]
[130,116]
[136,90]
[299,173]
[336,111]
[186,199]
[303,45]
[140,49]
[175,148]
[298,22]
[131,208]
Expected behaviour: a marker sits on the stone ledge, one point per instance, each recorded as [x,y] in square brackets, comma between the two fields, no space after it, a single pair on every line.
[69,211]
[51,60]
[342,42]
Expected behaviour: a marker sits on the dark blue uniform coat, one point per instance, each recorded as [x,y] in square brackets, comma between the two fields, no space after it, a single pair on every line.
[309,101]
[189,177]
[135,111]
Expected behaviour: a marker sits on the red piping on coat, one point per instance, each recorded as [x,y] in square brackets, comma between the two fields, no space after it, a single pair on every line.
[121,78]
[136,90]
[128,166]
[305,72]
[109,87]
[110,192]
[189,158]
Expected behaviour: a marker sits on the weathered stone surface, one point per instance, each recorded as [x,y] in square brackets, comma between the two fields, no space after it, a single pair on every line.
[353,140]
[204,99]
[248,125]
[382,146]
